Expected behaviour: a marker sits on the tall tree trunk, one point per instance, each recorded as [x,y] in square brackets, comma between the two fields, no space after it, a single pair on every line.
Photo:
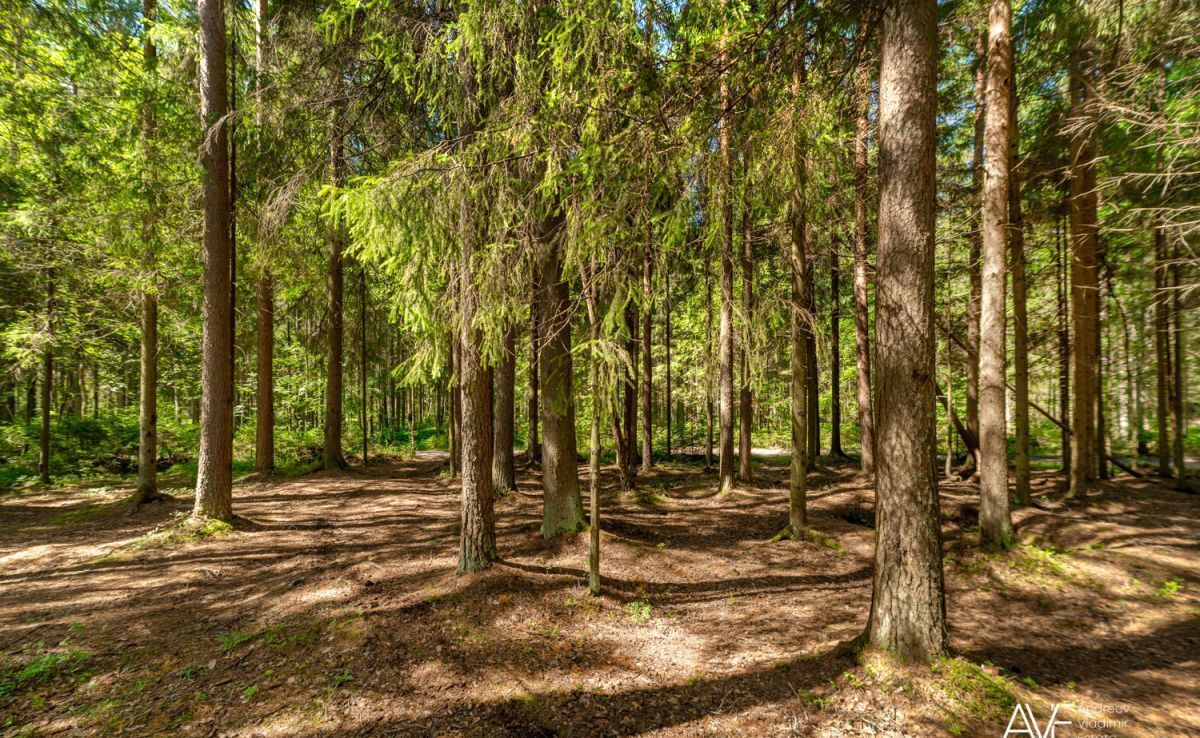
[629,409]
[264,430]
[214,476]
[668,418]
[47,381]
[974,298]
[333,458]
[708,365]
[504,470]
[745,392]
[534,445]
[147,481]
[1085,285]
[995,518]
[455,405]
[725,352]
[1103,471]
[1020,303]
[908,605]
[477,548]
[594,437]
[1179,369]
[835,349]
[862,336]
[801,319]
[363,360]
[562,507]
[810,346]
[647,363]
[1162,350]
[1064,346]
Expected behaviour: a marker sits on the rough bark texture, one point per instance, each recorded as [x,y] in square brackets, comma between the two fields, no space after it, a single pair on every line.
[147,480]
[504,469]
[908,609]
[1016,245]
[534,446]
[1162,351]
[647,364]
[974,297]
[1064,349]
[995,518]
[745,391]
[1085,288]
[336,316]
[455,406]
[562,507]
[800,322]
[477,548]
[264,431]
[214,475]
[862,335]
[725,339]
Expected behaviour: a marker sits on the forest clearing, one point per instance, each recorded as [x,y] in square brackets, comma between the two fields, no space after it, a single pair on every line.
[332,609]
[600,368]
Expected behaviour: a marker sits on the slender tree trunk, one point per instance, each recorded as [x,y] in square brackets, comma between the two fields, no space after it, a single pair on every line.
[147,481]
[1020,303]
[363,360]
[974,299]
[1064,348]
[455,405]
[47,381]
[1162,351]
[333,458]
[594,438]
[1179,373]
[534,444]
[562,509]
[264,431]
[801,319]
[862,336]
[647,364]
[835,349]
[214,477]
[908,605]
[995,518]
[1103,471]
[629,409]
[708,365]
[745,391]
[810,346]
[725,353]
[1085,287]
[667,414]
[504,470]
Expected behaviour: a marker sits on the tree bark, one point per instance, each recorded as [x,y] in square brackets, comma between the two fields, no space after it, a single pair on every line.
[1085,285]
[974,298]
[47,381]
[534,446]
[647,364]
[562,508]
[668,418]
[455,405]
[798,358]
[908,606]
[214,477]
[504,470]
[147,481]
[594,438]
[745,391]
[995,517]
[363,361]
[1162,351]
[725,347]
[333,458]
[629,409]
[1064,346]
[1020,303]
[708,365]
[835,350]
[1179,370]
[862,336]
[264,430]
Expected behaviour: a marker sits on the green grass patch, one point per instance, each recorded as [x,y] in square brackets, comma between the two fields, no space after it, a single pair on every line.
[40,666]
[972,695]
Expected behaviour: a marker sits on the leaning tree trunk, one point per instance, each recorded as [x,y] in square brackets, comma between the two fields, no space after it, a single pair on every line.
[333,458]
[862,336]
[504,470]
[725,352]
[562,506]
[1085,287]
[147,481]
[214,476]
[995,518]
[908,605]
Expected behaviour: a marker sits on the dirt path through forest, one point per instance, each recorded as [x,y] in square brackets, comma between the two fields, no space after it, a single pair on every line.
[332,609]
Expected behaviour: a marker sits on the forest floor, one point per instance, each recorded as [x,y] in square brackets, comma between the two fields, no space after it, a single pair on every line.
[332,609]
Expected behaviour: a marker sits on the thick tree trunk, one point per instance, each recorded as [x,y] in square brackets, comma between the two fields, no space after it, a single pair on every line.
[862,335]
[995,518]
[147,481]
[504,470]
[1085,288]
[214,476]
[1162,351]
[974,298]
[562,507]
[647,364]
[333,458]
[725,348]
[745,391]
[908,606]
[477,548]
